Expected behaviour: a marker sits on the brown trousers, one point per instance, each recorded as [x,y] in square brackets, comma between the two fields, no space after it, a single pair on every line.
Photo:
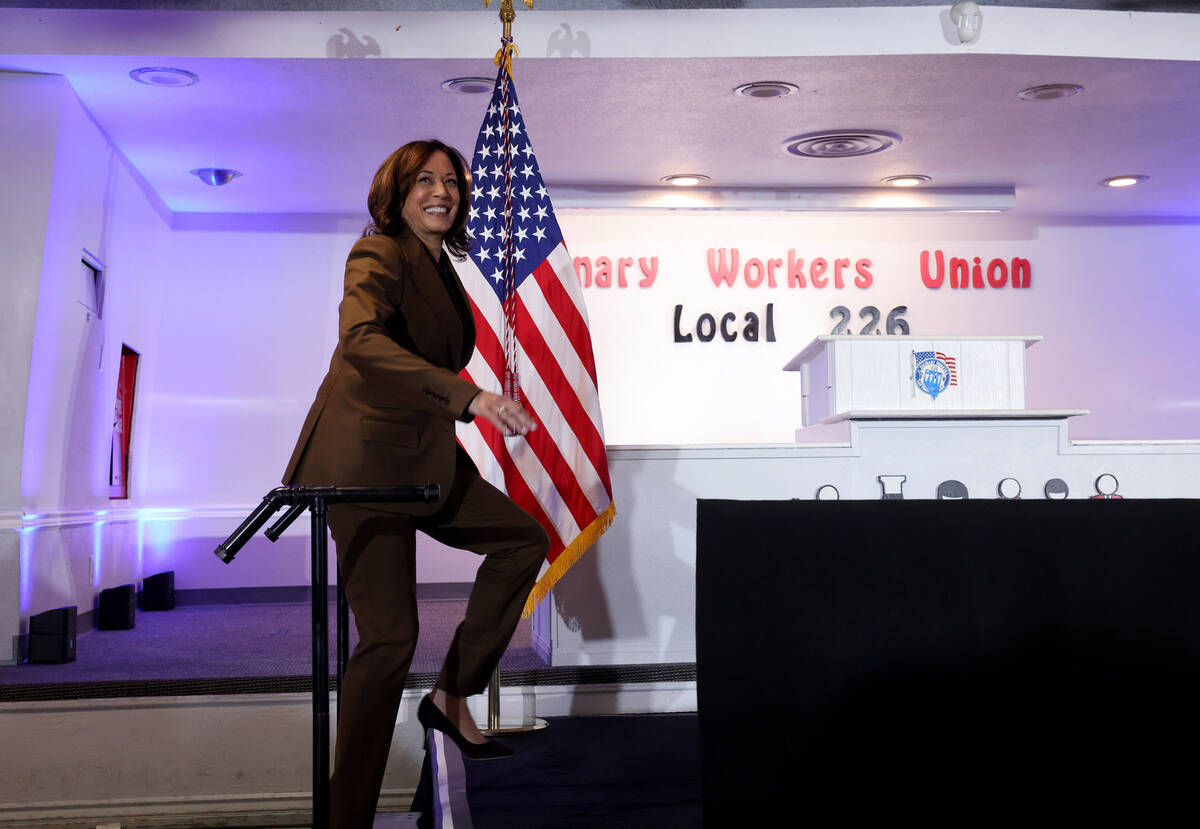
[376,553]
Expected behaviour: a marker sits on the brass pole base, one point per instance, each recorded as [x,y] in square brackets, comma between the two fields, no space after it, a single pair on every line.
[498,727]
[514,726]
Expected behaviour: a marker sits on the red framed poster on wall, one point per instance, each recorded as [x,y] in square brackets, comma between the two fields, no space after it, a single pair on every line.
[118,464]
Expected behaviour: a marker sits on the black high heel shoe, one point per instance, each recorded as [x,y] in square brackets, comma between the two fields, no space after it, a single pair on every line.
[430,716]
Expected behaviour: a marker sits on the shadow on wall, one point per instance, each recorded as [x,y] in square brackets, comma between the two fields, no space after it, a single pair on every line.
[567,43]
[636,597]
[346,44]
[80,449]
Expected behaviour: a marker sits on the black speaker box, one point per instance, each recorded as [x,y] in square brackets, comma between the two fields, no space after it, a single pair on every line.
[52,635]
[158,591]
[117,606]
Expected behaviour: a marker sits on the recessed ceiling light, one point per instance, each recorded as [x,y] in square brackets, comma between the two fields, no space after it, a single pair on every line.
[1050,92]
[905,181]
[1123,181]
[841,144]
[766,89]
[469,86]
[215,176]
[164,76]
[684,179]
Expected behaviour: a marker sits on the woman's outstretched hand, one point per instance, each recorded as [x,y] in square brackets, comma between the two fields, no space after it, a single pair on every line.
[506,415]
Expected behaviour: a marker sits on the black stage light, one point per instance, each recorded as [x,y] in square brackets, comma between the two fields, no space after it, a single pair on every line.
[158,591]
[52,635]
[116,608]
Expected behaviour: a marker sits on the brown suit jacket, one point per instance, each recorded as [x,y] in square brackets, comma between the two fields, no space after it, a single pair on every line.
[384,414]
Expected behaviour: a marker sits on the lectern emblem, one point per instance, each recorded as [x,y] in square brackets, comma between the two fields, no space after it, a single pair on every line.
[933,372]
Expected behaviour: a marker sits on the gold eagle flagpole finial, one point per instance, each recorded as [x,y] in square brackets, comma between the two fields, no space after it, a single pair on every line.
[507,13]
[507,48]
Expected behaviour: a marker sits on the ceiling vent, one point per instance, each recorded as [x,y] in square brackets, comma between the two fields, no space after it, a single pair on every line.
[1050,92]
[164,76]
[841,144]
[469,86]
[766,89]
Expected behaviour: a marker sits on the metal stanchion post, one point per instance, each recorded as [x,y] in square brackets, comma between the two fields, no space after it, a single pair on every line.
[496,726]
[343,636]
[320,606]
[493,724]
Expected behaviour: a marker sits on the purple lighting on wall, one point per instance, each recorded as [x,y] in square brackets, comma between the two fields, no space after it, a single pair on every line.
[97,550]
[26,577]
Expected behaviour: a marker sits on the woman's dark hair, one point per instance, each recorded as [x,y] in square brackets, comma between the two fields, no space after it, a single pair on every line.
[395,178]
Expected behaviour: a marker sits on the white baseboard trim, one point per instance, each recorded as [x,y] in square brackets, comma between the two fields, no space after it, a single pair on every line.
[607,699]
[577,655]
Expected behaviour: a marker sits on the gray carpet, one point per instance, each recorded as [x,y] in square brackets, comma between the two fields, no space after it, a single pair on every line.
[242,641]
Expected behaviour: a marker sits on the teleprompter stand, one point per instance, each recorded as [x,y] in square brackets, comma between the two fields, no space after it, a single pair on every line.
[318,499]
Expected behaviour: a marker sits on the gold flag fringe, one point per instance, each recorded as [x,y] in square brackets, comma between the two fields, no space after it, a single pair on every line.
[567,557]
[506,53]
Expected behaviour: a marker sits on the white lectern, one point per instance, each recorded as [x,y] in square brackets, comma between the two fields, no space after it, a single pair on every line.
[904,377]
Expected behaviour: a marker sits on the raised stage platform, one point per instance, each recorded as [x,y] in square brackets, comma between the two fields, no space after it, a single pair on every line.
[201,717]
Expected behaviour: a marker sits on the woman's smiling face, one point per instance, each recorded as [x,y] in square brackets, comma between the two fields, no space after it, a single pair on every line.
[432,201]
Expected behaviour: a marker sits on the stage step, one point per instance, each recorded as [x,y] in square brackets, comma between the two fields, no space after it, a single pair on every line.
[243,760]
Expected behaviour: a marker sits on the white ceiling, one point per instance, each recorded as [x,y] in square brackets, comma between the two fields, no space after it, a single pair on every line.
[308,133]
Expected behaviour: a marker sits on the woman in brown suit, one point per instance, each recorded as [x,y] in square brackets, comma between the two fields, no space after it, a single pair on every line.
[384,415]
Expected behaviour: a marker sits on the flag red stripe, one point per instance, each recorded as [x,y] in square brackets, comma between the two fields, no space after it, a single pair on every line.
[518,490]
[486,342]
[568,315]
[559,471]
[563,393]
[544,448]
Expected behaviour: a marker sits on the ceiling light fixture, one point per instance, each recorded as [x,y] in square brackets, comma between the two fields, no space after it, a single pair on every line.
[684,179]
[215,176]
[164,76]
[469,86]
[766,89]
[1123,181]
[911,180]
[967,20]
[1050,92]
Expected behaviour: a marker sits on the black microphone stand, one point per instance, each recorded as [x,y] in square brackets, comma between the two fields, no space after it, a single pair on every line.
[318,499]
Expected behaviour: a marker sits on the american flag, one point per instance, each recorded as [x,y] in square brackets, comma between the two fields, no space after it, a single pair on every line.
[952,364]
[532,343]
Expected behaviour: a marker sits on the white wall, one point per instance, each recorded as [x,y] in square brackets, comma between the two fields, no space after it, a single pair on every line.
[28,153]
[249,319]
[1115,303]
[29,143]
[248,323]
[75,194]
